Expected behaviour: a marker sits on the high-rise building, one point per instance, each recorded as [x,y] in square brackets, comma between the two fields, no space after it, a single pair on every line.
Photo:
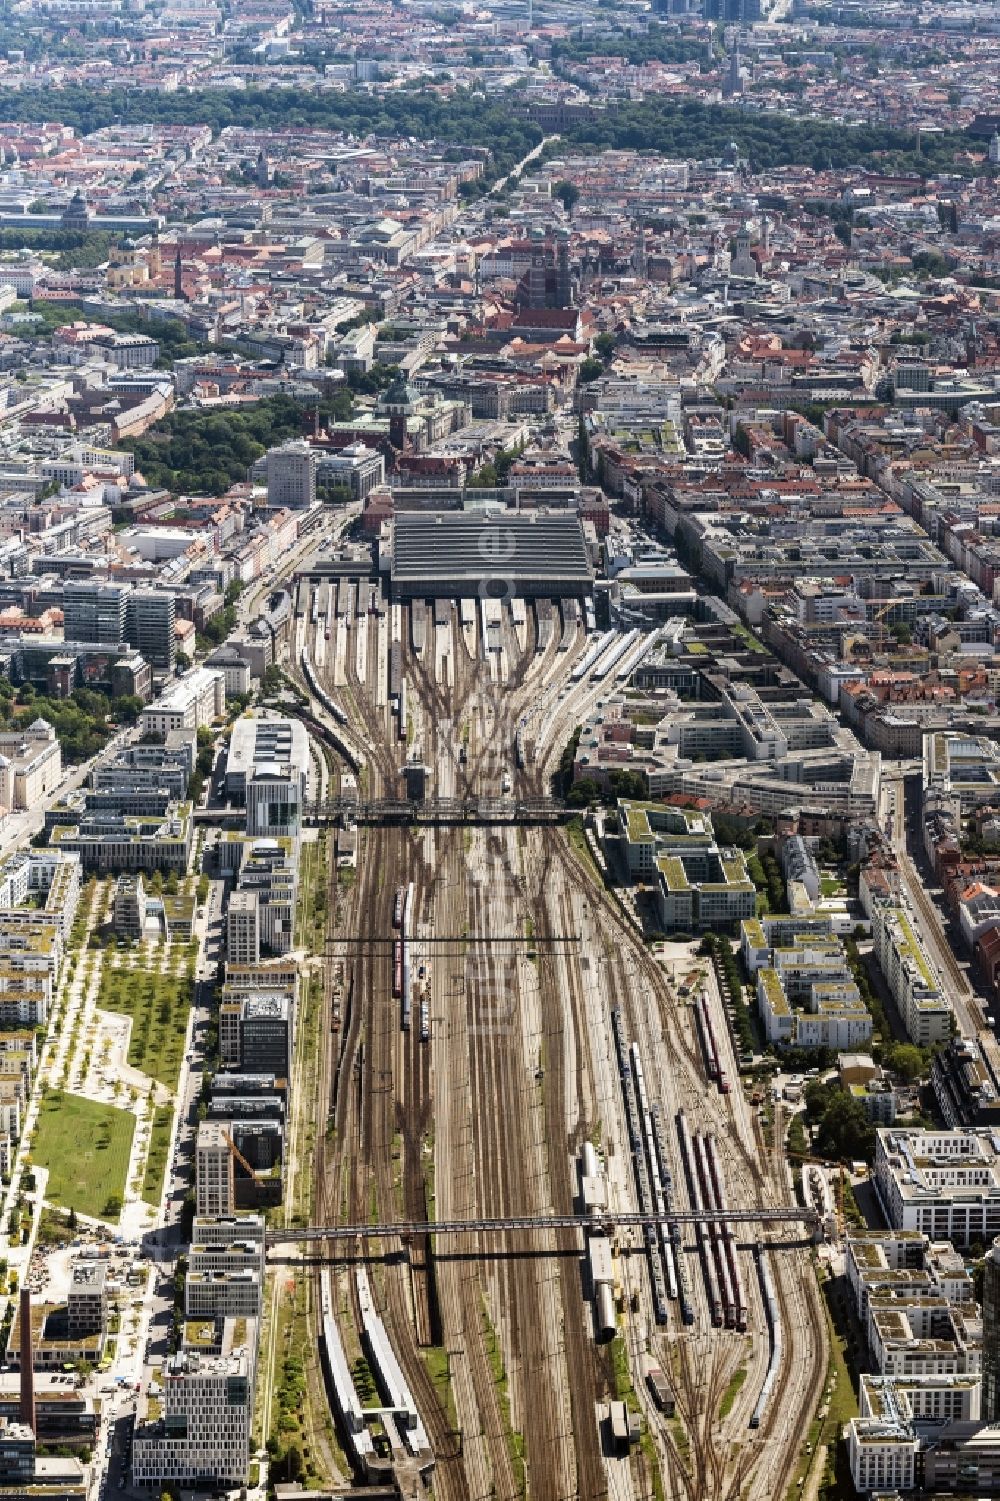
[291,475]
[214,1189]
[990,1411]
[150,624]
[275,795]
[203,1437]
[242,928]
[95,611]
[266,1035]
[87,1299]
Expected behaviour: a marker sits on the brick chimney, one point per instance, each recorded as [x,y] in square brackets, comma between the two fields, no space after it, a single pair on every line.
[27,1409]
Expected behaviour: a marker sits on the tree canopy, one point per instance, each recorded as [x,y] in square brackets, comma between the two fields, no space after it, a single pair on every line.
[204,452]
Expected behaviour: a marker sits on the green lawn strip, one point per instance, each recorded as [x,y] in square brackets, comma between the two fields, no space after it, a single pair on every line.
[832,1412]
[515,1440]
[577,836]
[159,1005]
[439,1370]
[731,1392]
[86,1146]
[159,1153]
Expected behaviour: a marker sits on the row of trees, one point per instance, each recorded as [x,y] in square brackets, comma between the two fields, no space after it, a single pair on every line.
[75,248]
[844,1129]
[765,872]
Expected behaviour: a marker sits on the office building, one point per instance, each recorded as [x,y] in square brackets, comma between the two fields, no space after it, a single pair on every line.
[291,475]
[991,1335]
[269,868]
[17,1454]
[698,885]
[116,842]
[129,920]
[267,765]
[203,1437]
[150,625]
[267,1035]
[242,928]
[214,1191]
[228,1229]
[95,611]
[87,1298]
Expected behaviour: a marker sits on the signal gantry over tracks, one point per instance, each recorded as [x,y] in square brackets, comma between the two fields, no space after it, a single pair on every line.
[526,1224]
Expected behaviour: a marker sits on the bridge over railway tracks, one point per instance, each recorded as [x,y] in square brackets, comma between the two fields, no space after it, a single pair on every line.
[444,810]
[527,1225]
[438,944]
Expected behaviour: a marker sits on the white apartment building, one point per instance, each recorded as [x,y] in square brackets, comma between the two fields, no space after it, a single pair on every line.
[805,990]
[916,988]
[30,765]
[943,1183]
[882,1454]
[187,704]
[896,1417]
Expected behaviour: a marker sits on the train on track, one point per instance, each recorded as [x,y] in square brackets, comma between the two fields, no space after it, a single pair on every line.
[709,1044]
[340,1386]
[328,703]
[402,919]
[352,756]
[660,1242]
[723,1282]
[773,1315]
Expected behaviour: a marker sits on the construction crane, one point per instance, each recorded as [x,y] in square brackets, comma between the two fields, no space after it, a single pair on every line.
[244,1164]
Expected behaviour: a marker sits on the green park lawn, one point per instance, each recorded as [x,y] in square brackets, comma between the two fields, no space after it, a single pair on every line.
[86,1147]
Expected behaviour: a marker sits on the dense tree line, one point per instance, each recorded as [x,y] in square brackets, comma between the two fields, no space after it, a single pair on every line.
[80,721]
[844,1129]
[467,118]
[76,248]
[657,45]
[691,129]
[203,452]
[463,118]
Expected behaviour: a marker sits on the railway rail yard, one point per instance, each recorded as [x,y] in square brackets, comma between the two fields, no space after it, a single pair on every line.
[509,1060]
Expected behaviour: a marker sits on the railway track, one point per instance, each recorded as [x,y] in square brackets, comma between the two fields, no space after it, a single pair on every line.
[639,982]
[498,1111]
